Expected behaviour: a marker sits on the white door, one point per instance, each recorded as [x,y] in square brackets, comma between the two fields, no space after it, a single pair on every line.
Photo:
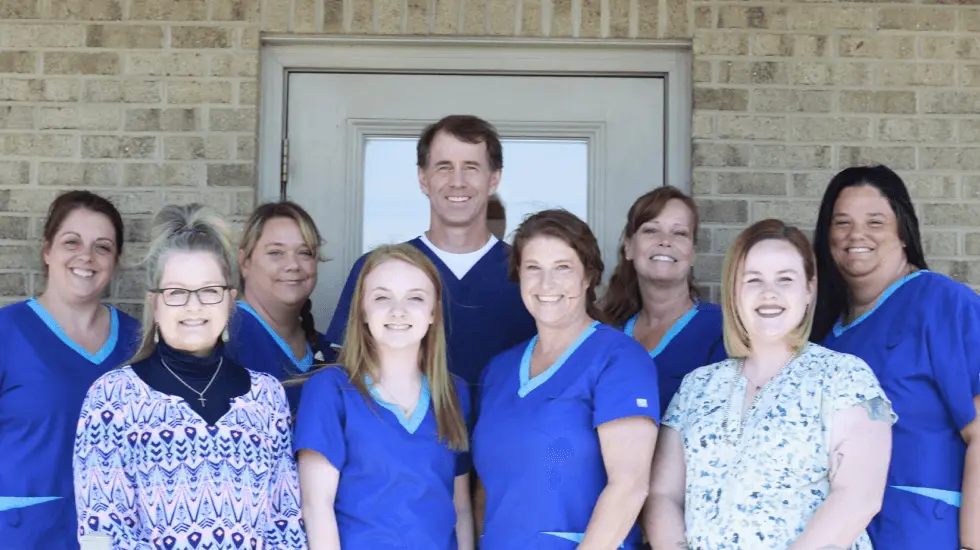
[591,145]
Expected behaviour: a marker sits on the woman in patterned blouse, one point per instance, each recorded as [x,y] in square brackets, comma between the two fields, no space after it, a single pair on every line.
[783,445]
[184,448]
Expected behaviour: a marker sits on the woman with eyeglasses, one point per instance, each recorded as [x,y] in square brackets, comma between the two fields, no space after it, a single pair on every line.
[184,448]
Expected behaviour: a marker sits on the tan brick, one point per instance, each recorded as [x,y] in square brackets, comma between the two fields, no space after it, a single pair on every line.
[192,37]
[769,44]
[812,45]
[590,18]
[18,256]
[212,147]
[930,186]
[914,74]
[304,16]
[818,73]
[122,91]
[828,129]
[752,127]
[947,215]
[129,37]
[220,200]
[926,130]
[13,284]
[447,16]
[124,147]
[721,154]
[86,117]
[88,10]
[137,202]
[917,19]
[971,187]
[970,131]
[940,243]
[239,10]
[878,46]
[27,89]
[17,62]
[951,103]
[877,102]
[704,125]
[243,202]
[81,63]
[704,17]
[723,211]
[167,64]
[721,43]
[969,48]
[708,268]
[800,213]
[19,9]
[939,47]
[500,16]
[333,16]
[702,183]
[361,16]
[825,18]
[15,172]
[247,38]
[702,71]
[14,228]
[239,64]
[475,17]
[247,93]
[175,174]
[678,22]
[619,17]
[809,184]
[950,158]
[168,10]
[790,156]
[79,174]
[165,120]
[194,92]
[970,75]
[231,175]
[41,145]
[758,72]
[751,183]
[245,148]
[388,16]
[233,120]
[752,17]
[775,100]
[16,117]
[648,19]
[972,244]
[970,19]
[42,36]
[418,17]
[897,158]
[721,99]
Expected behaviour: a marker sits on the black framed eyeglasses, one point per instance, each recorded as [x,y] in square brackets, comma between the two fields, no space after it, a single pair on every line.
[176,297]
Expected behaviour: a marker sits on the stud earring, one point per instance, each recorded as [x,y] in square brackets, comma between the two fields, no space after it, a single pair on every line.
[224,335]
[156,334]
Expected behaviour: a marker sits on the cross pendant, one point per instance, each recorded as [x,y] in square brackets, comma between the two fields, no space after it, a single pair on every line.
[202,400]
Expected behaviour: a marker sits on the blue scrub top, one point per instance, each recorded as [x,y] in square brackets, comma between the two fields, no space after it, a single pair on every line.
[396,478]
[484,313]
[695,340]
[921,341]
[44,377]
[253,344]
[536,446]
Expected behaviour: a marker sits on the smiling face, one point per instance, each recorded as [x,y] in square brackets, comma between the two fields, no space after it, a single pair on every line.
[193,327]
[553,281]
[82,256]
[773,291]
[399,303]
[864,233]
[282,264]
[458,181]
[662,249]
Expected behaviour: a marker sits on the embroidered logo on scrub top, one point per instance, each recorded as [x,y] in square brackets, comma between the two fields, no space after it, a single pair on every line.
[642,403]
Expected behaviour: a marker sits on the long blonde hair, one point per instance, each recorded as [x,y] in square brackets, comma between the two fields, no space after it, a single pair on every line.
[359,355]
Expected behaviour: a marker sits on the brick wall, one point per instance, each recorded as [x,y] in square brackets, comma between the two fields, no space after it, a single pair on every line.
[153,101]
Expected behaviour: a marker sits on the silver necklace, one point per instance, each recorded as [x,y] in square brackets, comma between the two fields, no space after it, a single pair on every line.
[200,394]
[391,397]
[755,400]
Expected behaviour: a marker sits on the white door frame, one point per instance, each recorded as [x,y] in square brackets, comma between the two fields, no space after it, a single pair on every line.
[283,54]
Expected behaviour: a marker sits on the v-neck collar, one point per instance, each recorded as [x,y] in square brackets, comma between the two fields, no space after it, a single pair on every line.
[840,328]
[447,273]
[304,363]
[96,358]
[410,423]
[672,333]
[528,384]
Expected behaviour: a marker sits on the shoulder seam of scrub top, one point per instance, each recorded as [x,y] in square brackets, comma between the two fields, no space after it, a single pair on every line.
[839,328]
[672,333]
[303,364]
[528,384]
[412,423]
[96,358]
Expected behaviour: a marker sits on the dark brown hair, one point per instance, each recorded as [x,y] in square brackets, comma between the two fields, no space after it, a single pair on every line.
[563,225]
[622,299]
[468,129]
[68,202]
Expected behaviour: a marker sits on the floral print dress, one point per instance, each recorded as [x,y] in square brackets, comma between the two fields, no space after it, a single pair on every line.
[754,480]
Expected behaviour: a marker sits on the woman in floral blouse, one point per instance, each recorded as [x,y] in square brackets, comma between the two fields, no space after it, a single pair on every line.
[783,445]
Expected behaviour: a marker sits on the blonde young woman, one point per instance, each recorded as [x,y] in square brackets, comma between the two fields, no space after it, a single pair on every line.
[184,448]
[381,439]
[783,445]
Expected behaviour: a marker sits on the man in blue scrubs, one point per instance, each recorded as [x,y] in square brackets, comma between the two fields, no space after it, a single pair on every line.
[460,162]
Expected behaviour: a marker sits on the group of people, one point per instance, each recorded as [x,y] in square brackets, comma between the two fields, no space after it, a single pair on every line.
[470,393]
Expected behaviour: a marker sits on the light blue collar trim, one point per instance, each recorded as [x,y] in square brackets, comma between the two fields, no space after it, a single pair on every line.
[675,329]
[528,384]
[574,537]
[953,498]
[12,503]
[98,357]
[411,424]
[303,364]
[839,328]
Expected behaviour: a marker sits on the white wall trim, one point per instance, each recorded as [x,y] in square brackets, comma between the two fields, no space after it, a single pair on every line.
[284,54]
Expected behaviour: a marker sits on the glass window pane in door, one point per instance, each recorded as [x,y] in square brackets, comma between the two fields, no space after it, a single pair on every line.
[538,174]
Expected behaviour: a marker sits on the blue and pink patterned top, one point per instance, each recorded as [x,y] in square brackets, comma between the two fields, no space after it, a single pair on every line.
[152,475]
